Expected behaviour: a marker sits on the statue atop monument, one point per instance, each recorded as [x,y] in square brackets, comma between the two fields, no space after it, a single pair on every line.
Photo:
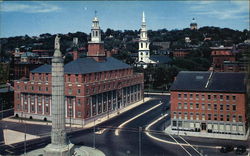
[57,42]
[57,53]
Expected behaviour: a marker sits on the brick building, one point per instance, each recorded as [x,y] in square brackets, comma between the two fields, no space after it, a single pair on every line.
[26,61]
[94,86]
[221,54]
[235,66]
[210,102]
[181,53]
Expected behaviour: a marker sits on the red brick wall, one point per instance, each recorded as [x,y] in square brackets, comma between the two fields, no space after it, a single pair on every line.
[96,49]
[123,77]
[240,103]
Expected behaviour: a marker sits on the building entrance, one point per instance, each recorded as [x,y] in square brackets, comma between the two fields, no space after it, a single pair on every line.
[203,126]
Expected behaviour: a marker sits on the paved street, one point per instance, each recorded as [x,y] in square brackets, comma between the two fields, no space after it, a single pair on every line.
[128,140]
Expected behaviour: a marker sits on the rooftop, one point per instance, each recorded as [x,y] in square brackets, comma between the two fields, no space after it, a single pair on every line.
[210,82]
[86,65]
[221,52]
[161,59]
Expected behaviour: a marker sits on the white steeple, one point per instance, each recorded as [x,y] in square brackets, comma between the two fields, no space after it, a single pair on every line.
[143,17]
[95,30]
[143,54]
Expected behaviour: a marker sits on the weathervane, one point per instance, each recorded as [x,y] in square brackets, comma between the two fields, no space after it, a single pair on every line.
[95,13]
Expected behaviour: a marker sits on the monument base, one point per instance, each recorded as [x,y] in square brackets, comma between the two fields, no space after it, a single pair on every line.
[54,150]
[71,150]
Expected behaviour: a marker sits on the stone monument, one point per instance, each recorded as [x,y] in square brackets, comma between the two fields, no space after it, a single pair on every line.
[59,143]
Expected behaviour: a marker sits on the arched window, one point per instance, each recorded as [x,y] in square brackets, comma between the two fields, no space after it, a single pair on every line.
[146,45]
[141,45]
[96,33]
[93,33]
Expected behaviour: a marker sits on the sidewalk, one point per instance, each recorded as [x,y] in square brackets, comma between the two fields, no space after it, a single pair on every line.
[90,124]
[11,137]
[98,120]
[155,93]
[168,130]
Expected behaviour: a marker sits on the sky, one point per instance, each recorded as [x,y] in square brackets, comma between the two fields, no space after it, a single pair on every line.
[36,17]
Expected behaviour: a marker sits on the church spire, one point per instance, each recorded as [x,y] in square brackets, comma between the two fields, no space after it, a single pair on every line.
[96,45]
[143,54]
[143,17]
[95,30]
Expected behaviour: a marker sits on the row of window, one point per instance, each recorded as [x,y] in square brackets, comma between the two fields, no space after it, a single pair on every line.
[32,108]
[87,77]
[110,86]
[198,96]
[208,106]
[40,77]
[202,116]
[40,88]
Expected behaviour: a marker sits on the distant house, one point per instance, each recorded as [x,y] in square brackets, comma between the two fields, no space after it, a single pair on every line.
[221,54]
[164,47]
[234,66]
[6,96]
[160,59]
[181,53]
[24,62]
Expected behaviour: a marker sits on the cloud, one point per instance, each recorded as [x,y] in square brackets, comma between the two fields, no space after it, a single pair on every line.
[34,7]
[222,10]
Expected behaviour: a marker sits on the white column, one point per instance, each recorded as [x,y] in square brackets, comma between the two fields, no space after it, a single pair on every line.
[43,97]
[73,109]
[102,104]
[28,103]
[36,102]
[112,107]
[21,105]
[66,107]
[50,105]
[91,106]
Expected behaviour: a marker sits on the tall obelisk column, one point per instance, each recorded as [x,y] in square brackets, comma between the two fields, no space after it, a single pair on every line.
[59,144]
[58,134]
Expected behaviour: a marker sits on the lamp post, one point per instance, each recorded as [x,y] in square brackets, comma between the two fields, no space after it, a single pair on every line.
[140,130]
[94,132]
[1,112]
[25,137]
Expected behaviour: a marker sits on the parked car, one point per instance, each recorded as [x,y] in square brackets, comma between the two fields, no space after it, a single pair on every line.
[240,149]
[226,148]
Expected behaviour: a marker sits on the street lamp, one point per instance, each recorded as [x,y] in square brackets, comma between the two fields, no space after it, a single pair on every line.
[94,132]
[140,130]
[164,122]
[25,137]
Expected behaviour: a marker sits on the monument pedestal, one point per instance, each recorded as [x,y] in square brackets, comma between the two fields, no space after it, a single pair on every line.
[56,150]
[69,150]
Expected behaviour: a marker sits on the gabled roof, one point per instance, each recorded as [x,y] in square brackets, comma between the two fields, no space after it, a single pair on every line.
[221,52]
[29,54]
[86,65]
[46,68]
[218,82]
[162,59]
[164,45]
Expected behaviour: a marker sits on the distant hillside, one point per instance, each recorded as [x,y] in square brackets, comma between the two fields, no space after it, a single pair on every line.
[126,41]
